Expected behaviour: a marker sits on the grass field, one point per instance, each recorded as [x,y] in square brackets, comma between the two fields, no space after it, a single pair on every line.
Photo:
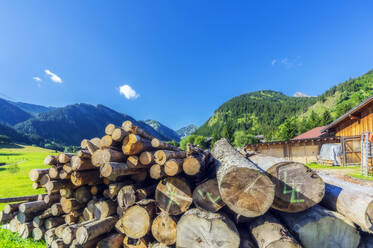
[14,180]
[12,240]
[353,171]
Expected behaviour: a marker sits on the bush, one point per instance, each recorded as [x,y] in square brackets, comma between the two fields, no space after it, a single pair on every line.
[242,138]
[193,139]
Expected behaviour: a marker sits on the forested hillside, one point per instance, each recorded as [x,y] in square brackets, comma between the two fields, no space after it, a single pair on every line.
[281,117]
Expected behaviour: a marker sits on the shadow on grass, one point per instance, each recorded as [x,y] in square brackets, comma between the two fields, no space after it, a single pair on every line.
[10,146]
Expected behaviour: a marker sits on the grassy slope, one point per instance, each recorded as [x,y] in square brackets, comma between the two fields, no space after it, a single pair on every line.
[14,178]
[12,240]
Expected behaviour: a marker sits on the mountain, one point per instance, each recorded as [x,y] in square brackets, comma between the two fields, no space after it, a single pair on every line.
[11,114]
[270,113]
[32,109]
[166,132]
[258,112]
[185,131]
[70,124]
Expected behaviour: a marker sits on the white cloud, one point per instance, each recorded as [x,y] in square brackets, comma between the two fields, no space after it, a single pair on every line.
[300,94]
[287,62]
[128,92]
[37,79]
[274,61]
[53,77]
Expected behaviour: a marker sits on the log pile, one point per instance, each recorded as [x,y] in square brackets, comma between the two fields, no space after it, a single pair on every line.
[129,189]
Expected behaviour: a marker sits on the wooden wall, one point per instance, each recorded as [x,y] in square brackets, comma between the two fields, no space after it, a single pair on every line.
[351,127]
[297,152]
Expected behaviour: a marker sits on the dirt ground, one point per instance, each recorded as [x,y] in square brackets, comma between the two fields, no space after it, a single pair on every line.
[342,174]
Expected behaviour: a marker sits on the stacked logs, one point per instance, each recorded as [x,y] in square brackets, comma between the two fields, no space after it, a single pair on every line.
[129,189]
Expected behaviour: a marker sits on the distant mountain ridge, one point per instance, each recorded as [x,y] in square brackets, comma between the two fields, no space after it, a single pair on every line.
[166,132]
[186,131]
[32,109]
[11,114]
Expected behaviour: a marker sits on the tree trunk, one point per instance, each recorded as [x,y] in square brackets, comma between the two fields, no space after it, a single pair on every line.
[355,205]
[84,154]
[135,243]
[109,129]
[268,232]
[134,161]
[44,180]
[80,178]
[53,222]
[108,142]
[127,196]
[36,174]
[102,156]
[58,243]
[53,198]
[50,235]
[173,167]
[164,229]
[38,221]
[14,224]
[64,175]
[173,195]
[69,232]
[25,230]
[71,204]
[6,218]
[297,186]
[161,156]
[57,209]
[79,164]
[134,144]
[73,217]
[206,196]
[137,220]
[38,233]
[114,170]
[12,207]
[156,172]
[104,209]
[119,134]
[113,241]
[25,217]
[198,228]
[33,207]
[50,160]
[86,144]
[147,158]
[322,228]
[366,241]
[20,198]
[54,172]
[64,158]
[82,194]
[195,164]
[56,185]
[129,127]
[243,187]
[95,229]
[139,176]
[158,144]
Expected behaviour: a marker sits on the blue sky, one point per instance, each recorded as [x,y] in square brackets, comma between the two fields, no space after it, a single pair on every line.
[183,59]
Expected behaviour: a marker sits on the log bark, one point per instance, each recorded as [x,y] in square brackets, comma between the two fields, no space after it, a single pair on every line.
[198,228]
[96,141]
[80,178]
[79,164]
[366,241]
[164,229]
[97,189]
[59,230]
[64,175]
[173,195]
[19,198]
[58,243]
[74,217]
[53,222]
[36,185]
[33,207]
[113,241]
[105,208]
[84,154]
[36,174]
[50,235]
[52,198]
[135,243]
[38,221]
[139,176]
[44,180]
[54,186]
[319,227]
[118,134]
[206,196]
[114,170]
[161,156]
[38,233]
[90,244]
[69,232]
[268,232]
[54,172]
[173,167]
[14,224]
[243,187]
[50,160]
[137,220]
[25,230]
[82,194]
[129,127]
[67,192]
[127,196]
[71,204]
[26,217]
[102,156]
[134,144]
[355,205]
[12,207]
[95,229]
[86,144]
[158,144]
[297,186]
[147,158]
[6,218]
